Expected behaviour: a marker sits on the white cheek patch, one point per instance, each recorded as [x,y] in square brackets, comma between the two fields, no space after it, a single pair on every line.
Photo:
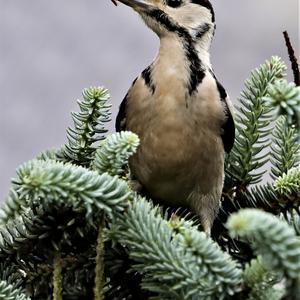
[191,15]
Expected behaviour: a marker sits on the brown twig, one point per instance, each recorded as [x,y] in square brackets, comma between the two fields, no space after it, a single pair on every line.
[99,271]
[57,277]
[293,59]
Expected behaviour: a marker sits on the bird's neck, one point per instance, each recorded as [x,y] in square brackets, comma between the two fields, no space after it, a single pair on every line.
[182,62]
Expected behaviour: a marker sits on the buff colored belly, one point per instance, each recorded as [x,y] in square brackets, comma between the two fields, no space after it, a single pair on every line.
[175,159]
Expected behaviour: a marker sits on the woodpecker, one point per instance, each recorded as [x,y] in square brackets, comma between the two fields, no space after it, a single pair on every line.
[179,110]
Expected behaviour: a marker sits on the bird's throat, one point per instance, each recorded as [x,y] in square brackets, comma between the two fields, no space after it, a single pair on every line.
[180,62]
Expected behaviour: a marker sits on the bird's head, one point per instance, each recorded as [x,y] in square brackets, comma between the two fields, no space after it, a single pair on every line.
[181,17]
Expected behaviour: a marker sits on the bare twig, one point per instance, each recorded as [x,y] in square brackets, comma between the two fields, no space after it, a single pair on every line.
[57,277]
[99,271]
[293,59]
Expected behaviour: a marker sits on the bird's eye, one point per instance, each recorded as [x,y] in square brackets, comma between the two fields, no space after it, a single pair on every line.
[174,3]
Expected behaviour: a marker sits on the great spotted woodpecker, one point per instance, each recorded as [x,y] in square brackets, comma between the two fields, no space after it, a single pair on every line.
[179,110]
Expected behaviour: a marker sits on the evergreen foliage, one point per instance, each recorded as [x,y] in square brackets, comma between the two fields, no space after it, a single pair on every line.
[115,152]
[88,126]
[285,97]
[285,152]
[72,228]
[252,125]
[12,205]
[178,261]
[261,281]
[289,184]
[9,292]
[66,184]
[49,154]
[272,238]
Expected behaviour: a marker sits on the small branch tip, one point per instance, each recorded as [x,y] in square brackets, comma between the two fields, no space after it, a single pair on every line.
[293,59]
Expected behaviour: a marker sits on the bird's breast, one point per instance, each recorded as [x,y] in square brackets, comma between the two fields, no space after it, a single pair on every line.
[180,137]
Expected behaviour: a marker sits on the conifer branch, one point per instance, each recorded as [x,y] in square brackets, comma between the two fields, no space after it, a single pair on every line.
[61,184]
[88,126]
[284,98]
[41,226]
[263,197]
[10,273]
[285,152]
[34,236]
[115,152]
[52,154]
[272,238]
[289,184]
[9,292]
[177,260]
[17,233]
[12,207]
[252,123]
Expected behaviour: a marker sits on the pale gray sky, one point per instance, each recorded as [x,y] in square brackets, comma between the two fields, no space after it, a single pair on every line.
[50,50]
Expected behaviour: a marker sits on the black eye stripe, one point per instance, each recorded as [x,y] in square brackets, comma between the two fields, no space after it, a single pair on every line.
[174,3]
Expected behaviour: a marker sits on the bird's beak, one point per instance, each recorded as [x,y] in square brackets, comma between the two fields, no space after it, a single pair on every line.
[138,5]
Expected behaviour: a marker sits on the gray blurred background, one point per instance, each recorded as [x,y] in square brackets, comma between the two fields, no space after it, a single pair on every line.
[50,50]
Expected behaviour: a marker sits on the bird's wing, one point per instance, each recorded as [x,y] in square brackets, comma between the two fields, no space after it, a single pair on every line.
[228,127]
[121,116]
